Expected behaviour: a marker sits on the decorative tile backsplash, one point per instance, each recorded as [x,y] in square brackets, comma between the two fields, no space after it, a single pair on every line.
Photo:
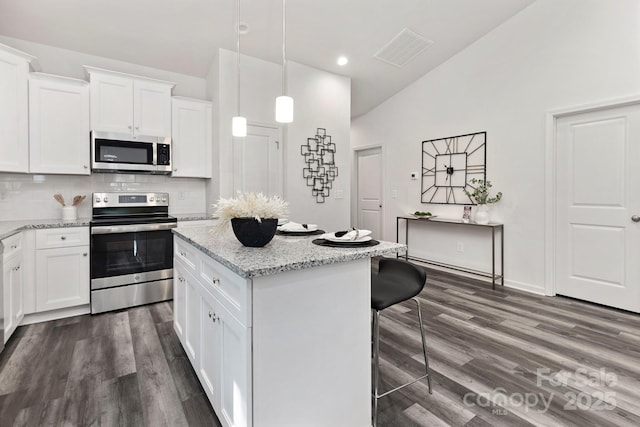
[24,196]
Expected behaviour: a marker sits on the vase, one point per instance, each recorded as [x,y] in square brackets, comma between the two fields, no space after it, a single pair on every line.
[482,214]
[253,233]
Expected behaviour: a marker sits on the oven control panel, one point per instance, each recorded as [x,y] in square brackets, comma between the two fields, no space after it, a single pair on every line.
[107,200]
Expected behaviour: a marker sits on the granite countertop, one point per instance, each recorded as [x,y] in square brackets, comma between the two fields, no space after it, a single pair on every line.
[283,253]
[9,228]
[192,216]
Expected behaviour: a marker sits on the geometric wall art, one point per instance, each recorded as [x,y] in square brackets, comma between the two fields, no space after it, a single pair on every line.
[321,170]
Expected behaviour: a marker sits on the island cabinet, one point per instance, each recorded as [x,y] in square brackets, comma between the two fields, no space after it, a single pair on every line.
[278,335]
[128,104]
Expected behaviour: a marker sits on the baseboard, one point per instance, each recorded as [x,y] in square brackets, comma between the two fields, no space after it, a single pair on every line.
[46,316]
[526,287]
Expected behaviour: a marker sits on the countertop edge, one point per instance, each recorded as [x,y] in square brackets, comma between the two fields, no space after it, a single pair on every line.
[15,227]
[266,271]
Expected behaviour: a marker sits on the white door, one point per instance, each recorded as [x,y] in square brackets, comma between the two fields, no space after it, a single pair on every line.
[598,188]
[369,193]
[258,161]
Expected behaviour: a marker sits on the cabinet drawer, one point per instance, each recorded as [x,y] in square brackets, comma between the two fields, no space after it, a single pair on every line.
[12,245]
[185,253]
[62,237]
[230,289]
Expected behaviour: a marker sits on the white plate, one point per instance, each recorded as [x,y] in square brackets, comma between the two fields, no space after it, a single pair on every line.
[337,240]
[298,232]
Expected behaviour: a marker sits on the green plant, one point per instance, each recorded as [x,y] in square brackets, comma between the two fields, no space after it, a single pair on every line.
[480,194]
[249,205]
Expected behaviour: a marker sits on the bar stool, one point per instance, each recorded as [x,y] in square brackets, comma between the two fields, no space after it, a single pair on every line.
[396,281]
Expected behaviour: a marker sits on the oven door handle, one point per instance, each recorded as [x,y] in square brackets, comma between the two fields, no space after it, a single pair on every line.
[132,228]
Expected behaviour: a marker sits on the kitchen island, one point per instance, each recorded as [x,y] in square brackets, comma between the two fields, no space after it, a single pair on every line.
[280,335]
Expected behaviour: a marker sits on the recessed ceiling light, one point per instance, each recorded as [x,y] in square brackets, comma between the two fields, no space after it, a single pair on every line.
[343,61]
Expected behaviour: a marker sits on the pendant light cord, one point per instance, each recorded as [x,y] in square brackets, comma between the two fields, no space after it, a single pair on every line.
[284,50]
[238,48]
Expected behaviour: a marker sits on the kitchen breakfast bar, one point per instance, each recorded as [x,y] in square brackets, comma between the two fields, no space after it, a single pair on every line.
[280,335]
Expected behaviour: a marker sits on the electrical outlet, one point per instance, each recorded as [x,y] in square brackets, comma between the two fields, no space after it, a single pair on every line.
[181,195]
[460,247]
[394,194]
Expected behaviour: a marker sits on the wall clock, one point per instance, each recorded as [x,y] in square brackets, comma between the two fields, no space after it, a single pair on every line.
[449,165]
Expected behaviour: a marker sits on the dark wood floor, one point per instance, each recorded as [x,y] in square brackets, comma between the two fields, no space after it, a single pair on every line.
[122,368]
[497,359]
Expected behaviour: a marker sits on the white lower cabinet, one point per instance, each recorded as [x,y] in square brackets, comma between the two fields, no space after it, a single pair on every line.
[224,355]
[216,342]
[62,270]
[192,331]
[12,285]
[179,301]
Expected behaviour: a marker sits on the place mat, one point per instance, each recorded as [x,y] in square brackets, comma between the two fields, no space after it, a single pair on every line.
[299,233]
[329,243]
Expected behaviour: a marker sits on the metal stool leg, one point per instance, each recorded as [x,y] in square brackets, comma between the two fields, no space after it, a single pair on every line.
[424,345]
[376,362]
[376,365]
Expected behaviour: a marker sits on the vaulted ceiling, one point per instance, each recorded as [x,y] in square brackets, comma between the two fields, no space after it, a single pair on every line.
[183,35]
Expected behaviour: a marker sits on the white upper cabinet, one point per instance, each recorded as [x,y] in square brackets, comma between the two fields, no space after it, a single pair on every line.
[129,104]
[58,125]
[191,135]
[14,114]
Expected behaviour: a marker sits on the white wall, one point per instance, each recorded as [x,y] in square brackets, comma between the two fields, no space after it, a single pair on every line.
[321,100]
[553,54]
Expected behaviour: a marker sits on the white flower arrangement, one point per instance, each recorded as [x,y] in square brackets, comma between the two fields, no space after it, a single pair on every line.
[249,205]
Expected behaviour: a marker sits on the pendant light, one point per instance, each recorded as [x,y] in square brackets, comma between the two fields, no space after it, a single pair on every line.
[238,123]
[284,103]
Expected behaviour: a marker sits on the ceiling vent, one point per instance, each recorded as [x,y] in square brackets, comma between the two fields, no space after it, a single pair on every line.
[402,48]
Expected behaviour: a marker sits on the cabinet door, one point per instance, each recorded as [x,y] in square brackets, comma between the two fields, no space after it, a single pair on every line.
[58,126]
[14,127]
[209,371]
[62,277]
[13,297]
[152,108]
[235,369]
[111,103]
[179,301]
[191,138]
[225,369]
[192,327]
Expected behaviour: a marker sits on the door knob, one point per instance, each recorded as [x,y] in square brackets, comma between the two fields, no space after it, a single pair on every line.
[635,218]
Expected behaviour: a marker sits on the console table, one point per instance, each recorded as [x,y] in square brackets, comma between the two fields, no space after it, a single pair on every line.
[495,231]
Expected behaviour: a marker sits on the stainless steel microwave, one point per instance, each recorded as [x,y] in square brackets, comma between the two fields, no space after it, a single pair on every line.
[115,152]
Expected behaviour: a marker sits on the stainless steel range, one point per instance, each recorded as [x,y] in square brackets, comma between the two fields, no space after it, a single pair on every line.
[131,250]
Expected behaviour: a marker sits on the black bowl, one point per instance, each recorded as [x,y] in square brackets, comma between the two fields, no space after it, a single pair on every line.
[252,233]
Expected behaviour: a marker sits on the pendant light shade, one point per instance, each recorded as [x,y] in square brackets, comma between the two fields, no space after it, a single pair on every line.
[284,103]
[284,109]
[239,126]
[238,123]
